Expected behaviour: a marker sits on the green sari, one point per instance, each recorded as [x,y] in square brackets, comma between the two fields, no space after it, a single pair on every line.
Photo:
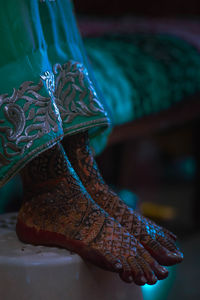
[47,89]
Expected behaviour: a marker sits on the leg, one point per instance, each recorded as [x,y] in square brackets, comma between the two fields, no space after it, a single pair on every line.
[157,240]
[58,211]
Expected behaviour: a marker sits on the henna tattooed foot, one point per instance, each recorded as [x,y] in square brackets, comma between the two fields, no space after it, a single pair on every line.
[58,211]
[157,240]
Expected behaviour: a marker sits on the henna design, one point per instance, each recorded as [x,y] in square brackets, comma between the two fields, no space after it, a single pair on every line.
[157,240]
[58,211]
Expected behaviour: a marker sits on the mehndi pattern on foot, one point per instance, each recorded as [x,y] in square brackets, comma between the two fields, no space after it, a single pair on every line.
[157,240]
[58,211]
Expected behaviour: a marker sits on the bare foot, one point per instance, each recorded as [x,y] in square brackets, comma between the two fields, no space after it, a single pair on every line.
[157,240]
[57,211]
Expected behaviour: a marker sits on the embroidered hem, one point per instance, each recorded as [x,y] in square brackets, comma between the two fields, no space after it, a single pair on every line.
[35,117]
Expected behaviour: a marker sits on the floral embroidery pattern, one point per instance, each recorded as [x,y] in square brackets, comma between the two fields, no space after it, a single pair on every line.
[75,94]
[26,116]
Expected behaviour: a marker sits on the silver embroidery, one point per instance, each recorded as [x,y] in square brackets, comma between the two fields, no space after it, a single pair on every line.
[48,77]
[74,93]
[27,116]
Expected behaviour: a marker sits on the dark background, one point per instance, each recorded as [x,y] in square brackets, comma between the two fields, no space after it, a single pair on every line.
[163,168]
[153,8]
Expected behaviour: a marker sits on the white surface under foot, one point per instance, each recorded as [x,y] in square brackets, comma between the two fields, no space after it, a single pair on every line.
[42,273]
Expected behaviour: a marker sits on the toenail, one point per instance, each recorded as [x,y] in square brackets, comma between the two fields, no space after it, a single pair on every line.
[118,266]
[163,270]
[155,279]
[179,253]
[175,255]
[143,279]
[130,278]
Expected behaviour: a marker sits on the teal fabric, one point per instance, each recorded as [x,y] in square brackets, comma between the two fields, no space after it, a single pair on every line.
[35,35]
[144,74]
[47,89]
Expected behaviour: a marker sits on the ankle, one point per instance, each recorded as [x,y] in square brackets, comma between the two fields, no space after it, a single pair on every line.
[77,140]
[76,145]
[82,159]
[45,170]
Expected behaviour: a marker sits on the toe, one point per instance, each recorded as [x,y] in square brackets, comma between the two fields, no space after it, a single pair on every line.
[168,244]
[137,271]
[126,274]
[160,271]
[113,262]
[148,272]
[161,254]
[169,233]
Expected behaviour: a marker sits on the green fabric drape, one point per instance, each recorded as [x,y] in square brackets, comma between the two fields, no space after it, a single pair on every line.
[47,89]
[147,73]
